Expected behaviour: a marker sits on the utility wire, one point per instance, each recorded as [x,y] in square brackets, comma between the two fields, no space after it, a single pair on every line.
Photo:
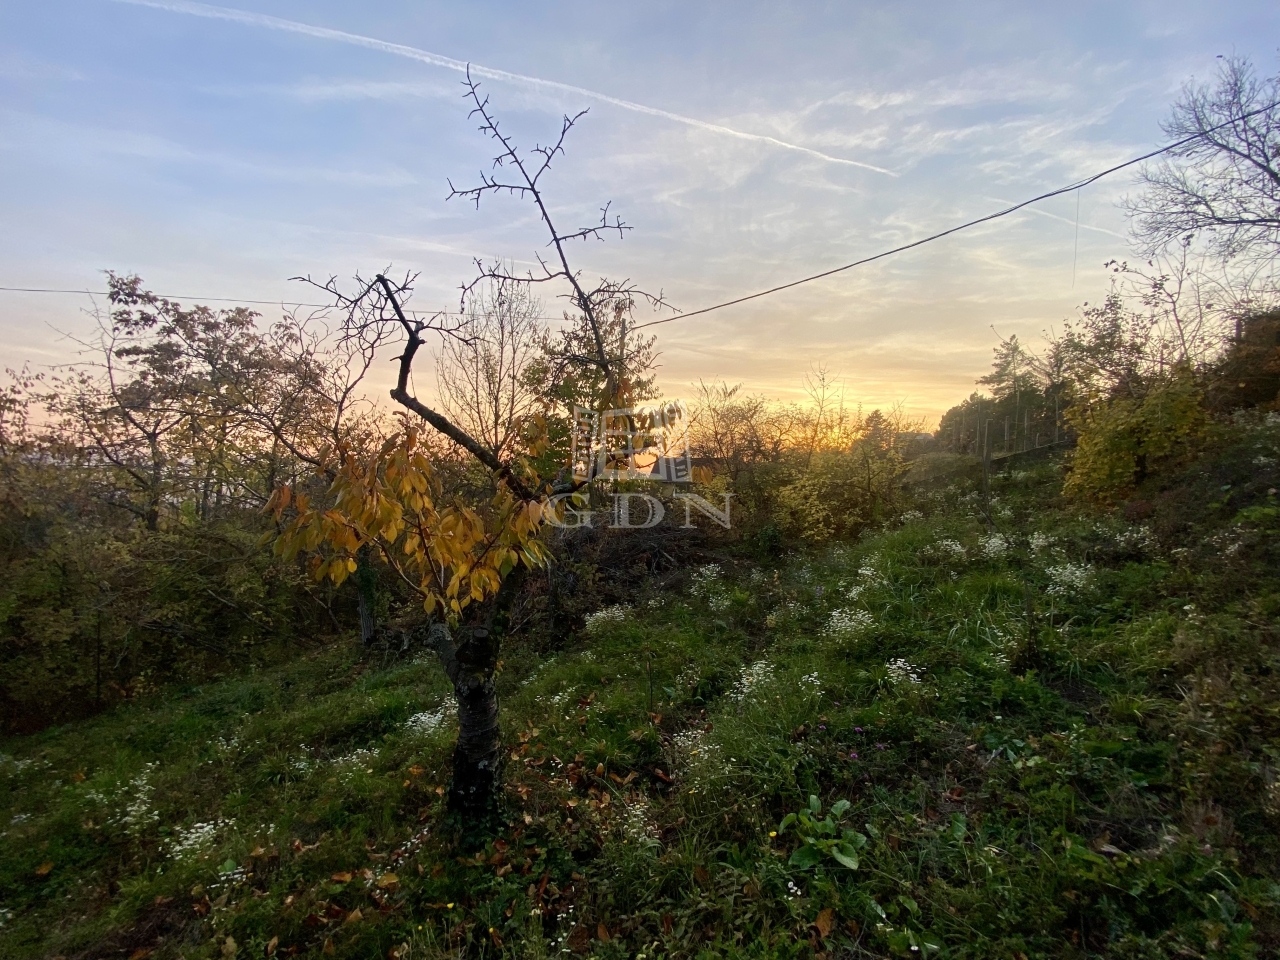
[187,296]
[794,283]
[964,226]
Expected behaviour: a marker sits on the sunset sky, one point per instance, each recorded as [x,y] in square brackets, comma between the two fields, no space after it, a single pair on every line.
[218,152]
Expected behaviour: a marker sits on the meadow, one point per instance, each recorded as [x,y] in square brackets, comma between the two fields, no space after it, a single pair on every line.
[993,726]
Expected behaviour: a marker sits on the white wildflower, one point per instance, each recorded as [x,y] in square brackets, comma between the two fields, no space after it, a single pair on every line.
[427,722]
[949,550]
[1137,539]
[702,759]
[637,825]
[195,839]
[707,585]
[1069,578]
[900,671]
[139,814]
[849,624]
[1041,542]
[911,516]
[601,620]
[993,547]
[751,680]
[704,580]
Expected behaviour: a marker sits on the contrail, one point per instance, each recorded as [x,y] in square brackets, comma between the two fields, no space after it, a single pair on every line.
[413,53]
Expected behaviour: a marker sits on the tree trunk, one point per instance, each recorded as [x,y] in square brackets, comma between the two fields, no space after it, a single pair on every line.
[366,593]
[470,660]
[477,757]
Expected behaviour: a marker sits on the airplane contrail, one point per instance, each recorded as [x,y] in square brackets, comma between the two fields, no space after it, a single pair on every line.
[424,56]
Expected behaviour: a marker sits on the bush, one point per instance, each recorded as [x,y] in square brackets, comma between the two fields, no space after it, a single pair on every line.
[1125,439]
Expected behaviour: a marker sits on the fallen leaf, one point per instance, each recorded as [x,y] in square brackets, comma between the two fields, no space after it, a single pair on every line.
[662,776]
[602,933]
[78,776]
[328,946]
[388,881]
[417,771]
[271,946]
[258,852]
[44,869]
[824,921]
[140,954]
[229,947]
[700,874]
[493,935]
[355,916]
[342,876]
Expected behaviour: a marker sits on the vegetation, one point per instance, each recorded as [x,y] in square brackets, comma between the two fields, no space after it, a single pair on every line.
[968,694]
[1053,737]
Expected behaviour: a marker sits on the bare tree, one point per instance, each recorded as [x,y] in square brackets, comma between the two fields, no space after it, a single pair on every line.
[378,311]
[484,379]
[1224,183]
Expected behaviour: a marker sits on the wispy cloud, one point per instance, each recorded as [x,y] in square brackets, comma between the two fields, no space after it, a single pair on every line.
[340,90]
[70,142]
[1053,216]
[424,56]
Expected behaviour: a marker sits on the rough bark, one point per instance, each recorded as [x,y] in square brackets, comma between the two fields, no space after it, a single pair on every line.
[469,655]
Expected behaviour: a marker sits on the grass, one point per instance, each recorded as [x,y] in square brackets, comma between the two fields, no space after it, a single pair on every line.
[1061,740]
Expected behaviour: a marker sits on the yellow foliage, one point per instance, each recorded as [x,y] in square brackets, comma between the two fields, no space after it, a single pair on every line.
[449,553]
[1122,440]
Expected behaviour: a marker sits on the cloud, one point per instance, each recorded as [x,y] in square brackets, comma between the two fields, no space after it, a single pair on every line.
[424,56]
[1053,216]
[14,67]
[68,142]
[316,91]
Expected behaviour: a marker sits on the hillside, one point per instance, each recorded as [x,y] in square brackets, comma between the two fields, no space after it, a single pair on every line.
[1057,735]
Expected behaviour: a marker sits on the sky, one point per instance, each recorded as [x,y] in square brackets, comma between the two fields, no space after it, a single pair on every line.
[219,151]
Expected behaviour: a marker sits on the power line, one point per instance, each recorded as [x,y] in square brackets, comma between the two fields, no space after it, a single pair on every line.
[964,226]
[169,296]
[784,286]
[188,296]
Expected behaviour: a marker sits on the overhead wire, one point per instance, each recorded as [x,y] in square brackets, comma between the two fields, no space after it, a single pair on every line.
[1076,186]
[188,296]
[963,226]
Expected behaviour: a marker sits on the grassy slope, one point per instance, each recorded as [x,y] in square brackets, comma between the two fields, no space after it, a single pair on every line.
[1108,788]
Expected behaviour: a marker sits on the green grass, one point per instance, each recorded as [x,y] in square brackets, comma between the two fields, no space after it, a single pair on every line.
[1065,747]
